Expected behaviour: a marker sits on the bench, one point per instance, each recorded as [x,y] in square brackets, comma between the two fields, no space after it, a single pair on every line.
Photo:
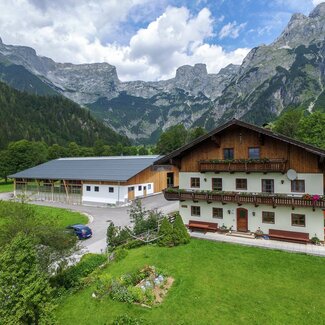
[292,236]
[202,225]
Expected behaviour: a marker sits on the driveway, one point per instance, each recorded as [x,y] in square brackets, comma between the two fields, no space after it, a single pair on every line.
[101,216]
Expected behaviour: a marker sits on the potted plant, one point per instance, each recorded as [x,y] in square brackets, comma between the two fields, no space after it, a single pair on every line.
[259,233]
[315,240]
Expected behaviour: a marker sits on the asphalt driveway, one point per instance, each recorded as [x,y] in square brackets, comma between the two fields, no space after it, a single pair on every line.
[100,217]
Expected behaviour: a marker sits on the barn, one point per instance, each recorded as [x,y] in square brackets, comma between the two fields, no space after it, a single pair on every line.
[99,180]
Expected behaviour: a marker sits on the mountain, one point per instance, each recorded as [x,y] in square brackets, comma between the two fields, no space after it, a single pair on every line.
[53,119]
[287,73]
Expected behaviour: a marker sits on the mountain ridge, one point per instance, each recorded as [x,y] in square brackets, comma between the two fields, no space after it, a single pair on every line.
[289,72]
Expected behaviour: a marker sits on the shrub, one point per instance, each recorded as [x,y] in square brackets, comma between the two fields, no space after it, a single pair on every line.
[166,233]
[72,276]
[119,254]
[138,294]
[118,291]
[132,244]
[180,234]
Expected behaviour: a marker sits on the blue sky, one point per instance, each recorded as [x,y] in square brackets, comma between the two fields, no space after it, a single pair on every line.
[147,39]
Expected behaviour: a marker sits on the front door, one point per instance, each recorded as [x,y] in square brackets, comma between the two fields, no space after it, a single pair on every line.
[242,219]
[170,179]
[144,190]
[131,193]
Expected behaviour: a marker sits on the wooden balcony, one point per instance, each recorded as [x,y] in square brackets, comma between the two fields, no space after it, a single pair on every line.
[258,165]
[240,199]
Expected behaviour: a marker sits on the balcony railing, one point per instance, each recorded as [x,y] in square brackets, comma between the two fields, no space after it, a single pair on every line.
[243,198]
[243,165]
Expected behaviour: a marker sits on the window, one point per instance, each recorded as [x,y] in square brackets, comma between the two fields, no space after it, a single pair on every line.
[149,186]
[267,185]
[96,188]
[139,188]
[298,220]
[228,153]
[111,189]
[217,184]
[254,153]
[195,211]
[241,184]
[298,185]
[195,182]
[88,188]
[217,213]
[268,217]
[131,189]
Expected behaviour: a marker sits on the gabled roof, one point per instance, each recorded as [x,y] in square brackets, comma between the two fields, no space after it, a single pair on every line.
[185,148]
[92,168]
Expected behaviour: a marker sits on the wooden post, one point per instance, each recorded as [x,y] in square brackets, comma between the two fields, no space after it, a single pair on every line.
[66,191]
[14,186]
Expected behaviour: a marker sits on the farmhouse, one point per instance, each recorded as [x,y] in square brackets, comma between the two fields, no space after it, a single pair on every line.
[108,180]
[249,179]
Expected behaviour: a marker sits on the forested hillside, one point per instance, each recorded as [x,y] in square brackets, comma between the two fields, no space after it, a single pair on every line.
[52,119]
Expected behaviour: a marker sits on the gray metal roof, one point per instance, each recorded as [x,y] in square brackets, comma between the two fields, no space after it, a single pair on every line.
[92,168]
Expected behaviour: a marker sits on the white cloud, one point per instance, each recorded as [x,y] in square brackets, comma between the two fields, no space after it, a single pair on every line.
[82,31]
[231,30]
[317,2]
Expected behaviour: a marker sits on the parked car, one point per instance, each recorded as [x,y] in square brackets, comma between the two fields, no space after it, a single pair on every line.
[81,231]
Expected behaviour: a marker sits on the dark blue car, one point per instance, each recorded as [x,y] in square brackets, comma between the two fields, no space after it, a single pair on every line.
[82,231]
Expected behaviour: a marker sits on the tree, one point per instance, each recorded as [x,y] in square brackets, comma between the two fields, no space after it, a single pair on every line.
[165,233]
[52,242]
[56,151]
[25,292]
[143,151]
[171,139]
[311,129]
[287,123]
[5,165]
[25,154]
[195,133]
[180,234]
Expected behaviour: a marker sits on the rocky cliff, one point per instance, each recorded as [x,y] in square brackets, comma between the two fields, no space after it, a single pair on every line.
[287,73]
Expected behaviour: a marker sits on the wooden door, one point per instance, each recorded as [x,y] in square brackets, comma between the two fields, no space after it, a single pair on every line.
[242,219]
[131,193]
[144,190]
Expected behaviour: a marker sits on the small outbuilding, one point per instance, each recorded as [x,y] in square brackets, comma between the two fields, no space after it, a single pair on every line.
[103,180]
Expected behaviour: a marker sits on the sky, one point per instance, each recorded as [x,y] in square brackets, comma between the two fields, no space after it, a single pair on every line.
[147,39]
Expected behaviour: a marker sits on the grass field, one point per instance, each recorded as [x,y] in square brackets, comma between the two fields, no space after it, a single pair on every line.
[61,217]
[215,283]
[6,187]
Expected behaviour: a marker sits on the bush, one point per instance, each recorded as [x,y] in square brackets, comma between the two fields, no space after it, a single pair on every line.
[166,233]
[116,236]
[119,254]
[180,234]
[72,276]
[132,244]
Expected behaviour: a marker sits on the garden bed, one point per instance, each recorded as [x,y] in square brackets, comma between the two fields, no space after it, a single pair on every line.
[146,287]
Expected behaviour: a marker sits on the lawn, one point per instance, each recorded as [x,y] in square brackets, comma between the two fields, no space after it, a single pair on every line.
[6,186]
[215,283]
[61,217]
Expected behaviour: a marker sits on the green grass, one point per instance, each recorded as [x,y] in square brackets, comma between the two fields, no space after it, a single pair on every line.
[61,217]
[6,187]
[215,283]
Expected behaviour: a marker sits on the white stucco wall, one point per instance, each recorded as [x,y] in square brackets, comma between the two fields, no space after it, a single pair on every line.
[139,193]
[314,219]
[120,193]
[313,182]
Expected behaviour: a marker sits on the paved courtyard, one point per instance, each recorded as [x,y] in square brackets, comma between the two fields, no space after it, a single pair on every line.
[101,216]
